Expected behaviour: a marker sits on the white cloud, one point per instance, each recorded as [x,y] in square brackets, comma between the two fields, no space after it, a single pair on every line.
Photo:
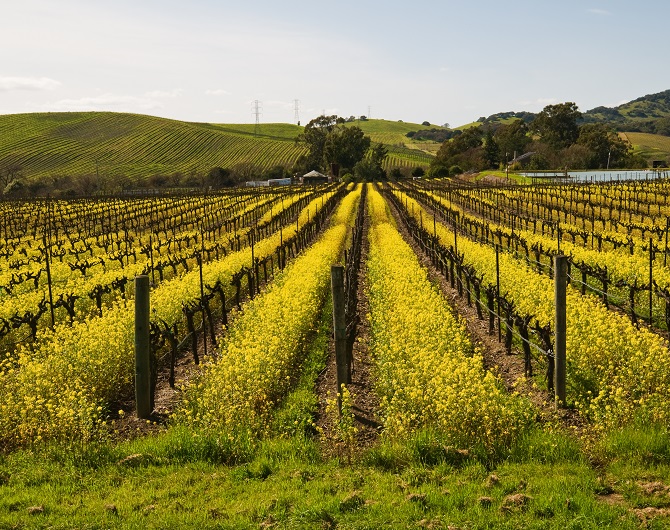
[217,92]
[600,12]
[539,101]
[106,101]
[174,93]
[27,83]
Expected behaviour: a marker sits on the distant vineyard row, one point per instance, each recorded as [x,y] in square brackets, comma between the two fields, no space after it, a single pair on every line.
[109,144]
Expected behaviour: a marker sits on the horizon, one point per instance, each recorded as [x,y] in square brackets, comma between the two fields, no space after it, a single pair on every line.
[440,62]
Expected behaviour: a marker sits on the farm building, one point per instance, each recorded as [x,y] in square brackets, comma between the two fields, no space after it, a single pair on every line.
[270,182]
[314,177]
[279,182]
[256,183]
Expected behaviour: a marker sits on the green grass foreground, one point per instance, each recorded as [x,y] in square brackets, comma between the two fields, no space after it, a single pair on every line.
[175,481]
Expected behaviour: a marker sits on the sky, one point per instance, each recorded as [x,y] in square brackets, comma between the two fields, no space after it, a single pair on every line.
[448,61]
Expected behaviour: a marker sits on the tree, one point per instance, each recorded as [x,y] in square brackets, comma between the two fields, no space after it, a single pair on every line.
[245,171]
[491,150]
[439,171]
[370,168]
[10,171]
[14,188]
[396,174]
[605,147]
[330,141]
[345,146]
[314,137]
[220,177]
[557,125]
[512,138]
[538,162]
[464,150]
[277,172]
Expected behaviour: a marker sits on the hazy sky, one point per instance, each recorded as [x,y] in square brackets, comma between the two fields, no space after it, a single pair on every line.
[447,61]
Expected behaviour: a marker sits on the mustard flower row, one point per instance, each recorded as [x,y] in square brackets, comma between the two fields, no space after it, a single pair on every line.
[61,387]
[428,372]
[263,349]
[616,372]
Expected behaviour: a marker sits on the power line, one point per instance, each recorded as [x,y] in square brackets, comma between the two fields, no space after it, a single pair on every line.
[257,110]
[296,104]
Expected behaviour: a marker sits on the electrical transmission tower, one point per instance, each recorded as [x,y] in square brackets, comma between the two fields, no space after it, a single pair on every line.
[257,110]
[296,104]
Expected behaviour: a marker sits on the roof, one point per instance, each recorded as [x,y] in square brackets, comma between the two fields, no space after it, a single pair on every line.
[314,173]
[521,157]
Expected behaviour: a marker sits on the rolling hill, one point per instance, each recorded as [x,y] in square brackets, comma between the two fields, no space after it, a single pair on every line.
[136,146]
[650,146]
[107,144]
[651,106]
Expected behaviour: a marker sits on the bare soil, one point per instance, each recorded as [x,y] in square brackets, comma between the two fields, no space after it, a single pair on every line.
[365,400]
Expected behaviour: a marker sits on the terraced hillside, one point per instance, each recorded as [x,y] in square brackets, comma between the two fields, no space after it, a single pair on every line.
[650,146]
[136,146]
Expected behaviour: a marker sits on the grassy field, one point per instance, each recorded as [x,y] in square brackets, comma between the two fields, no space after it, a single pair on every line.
[275,131]
[392,132]
[650,146]
[109,145]
[175,481]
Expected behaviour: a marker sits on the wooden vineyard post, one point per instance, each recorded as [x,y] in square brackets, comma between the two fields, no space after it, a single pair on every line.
[665,254]
[651,281]
[498,290]
[142,348]
[47,255]
[560,284]
[339,329]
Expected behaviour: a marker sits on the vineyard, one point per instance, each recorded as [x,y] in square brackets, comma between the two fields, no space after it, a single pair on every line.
[135,147]
[651,146]
[449,338]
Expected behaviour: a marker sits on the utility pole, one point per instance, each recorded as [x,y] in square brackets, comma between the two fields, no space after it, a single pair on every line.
[257,110]
[296,105]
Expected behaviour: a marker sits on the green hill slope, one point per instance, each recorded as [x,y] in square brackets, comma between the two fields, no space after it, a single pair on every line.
[390,132]
[137,146]
[650,146]
[643,108]
[106,143]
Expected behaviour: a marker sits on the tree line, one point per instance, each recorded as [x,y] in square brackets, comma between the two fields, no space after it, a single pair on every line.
[554,139]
